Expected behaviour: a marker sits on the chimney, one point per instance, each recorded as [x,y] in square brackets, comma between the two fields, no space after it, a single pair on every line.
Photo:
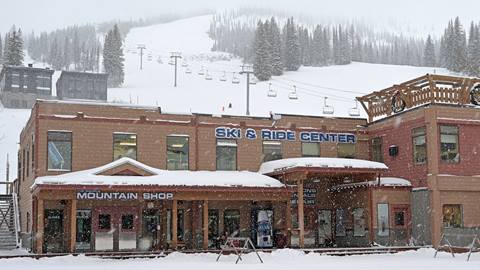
[30,65]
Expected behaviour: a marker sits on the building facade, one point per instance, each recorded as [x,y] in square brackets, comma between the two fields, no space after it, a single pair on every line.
[21,86]
[113,178]
[82,85]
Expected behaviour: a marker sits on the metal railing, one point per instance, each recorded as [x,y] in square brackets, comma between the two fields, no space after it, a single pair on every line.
[16,213]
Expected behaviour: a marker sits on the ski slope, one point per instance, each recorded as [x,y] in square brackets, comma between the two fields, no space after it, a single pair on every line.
[154,84]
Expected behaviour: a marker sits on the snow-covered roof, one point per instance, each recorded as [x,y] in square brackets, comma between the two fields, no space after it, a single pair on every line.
[384,182]
[320,162]
[160,177]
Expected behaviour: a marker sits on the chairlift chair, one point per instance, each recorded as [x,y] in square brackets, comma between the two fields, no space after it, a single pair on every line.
[159,60]
[201,72]
[223,78]
[188,70]
[184,64]
[253,81]
[293,94]
[208,77]
[235,80]
[171,62]
[354,111]
[327,109]
[271,92]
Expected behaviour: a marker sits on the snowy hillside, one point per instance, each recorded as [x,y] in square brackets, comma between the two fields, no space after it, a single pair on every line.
[154,84]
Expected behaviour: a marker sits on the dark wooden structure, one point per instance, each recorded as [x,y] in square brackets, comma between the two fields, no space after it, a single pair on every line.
[21,86]
[82,85]
[427,89]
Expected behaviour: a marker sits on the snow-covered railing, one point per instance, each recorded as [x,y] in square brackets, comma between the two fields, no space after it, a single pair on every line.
[16,214]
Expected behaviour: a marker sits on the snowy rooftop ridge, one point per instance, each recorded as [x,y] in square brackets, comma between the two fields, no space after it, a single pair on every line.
[321,162]
[384,182]
[160,177]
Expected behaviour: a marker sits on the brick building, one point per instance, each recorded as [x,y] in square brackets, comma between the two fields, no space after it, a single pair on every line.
[21,86]
[180,181]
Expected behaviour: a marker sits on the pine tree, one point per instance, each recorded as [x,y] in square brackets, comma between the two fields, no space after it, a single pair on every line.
[292,47]
[317,46]
[1,49]
[459,48]
[76,53]
[276,52]
[66,54]
[113,57]
[13,52]
[262,65]
[429,53]
[473,49]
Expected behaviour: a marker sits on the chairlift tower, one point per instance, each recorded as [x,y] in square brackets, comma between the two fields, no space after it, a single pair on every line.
[175,56]
[247,69]
[141,47]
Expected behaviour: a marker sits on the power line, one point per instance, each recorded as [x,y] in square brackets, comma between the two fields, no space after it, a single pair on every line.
[320,86]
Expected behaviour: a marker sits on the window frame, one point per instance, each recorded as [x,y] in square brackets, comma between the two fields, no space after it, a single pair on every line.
[440,133]
[271,142]
[374,142]
[188,151]
[354,150]
[71,151]
[460,206]
[239,221]
[312,143]
[413,136]
[124,133]
[226,146]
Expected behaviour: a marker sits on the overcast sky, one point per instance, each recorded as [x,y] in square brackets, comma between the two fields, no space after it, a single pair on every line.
[42,15]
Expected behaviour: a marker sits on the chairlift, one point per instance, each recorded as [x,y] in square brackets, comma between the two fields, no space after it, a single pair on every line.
[223,78]
[188,70]
[354,111]
[235,80]
[159,60]
[271,92]
[253,81]
[201,72]
[184,64]
[327,109]
[171,62]
[208,77]
[293,94]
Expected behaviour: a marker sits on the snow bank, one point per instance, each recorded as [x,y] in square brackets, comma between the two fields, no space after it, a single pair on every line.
[161,177]
[288,163]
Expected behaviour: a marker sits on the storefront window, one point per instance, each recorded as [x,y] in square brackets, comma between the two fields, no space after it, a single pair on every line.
[341,216]
[226,155]
[382,219]
[59,150]
[449,144]
[346,150]
[377,152]
[15,80]
[127,222]
[177,153]
[231,221]
[271,150]
[359,224]
[310,149]
[452,216]
[180,225]
[104,222]
[419,145]
[399,218]
[124,145]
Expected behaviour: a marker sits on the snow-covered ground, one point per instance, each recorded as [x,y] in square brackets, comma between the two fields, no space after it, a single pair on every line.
[154,84]
[278,260]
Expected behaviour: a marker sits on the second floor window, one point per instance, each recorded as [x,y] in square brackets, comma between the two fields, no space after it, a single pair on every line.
[272,150]
[310,149]
[346,150]
[59,150]
[177,153]
[419,145]
[449,144]
[377,151]
[226,155]
[124,145]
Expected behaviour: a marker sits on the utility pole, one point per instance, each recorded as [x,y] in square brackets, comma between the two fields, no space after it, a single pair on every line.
[247,69]
[175,55]
[141,47]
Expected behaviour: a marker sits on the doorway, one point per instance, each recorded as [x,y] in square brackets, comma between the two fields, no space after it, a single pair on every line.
[115,228]
[325,228]
[150,239]
[53,231]
[214,240]
[84,230]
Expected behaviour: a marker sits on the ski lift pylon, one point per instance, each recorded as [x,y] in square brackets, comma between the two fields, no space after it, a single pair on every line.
[327,109]
[271,92]
[293,94]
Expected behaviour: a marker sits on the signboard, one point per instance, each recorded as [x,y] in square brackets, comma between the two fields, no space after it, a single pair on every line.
[123,196]
[283,135]
[309,196]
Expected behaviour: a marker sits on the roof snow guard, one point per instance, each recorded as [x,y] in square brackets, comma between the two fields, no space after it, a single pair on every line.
[382,182]
[149,176]
[427,89]
[282,165]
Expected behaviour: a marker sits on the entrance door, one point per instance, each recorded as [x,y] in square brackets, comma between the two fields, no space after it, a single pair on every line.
[151,230]
[325,227]
[84,230]
[115,229]
[264,228]
[213,229]
[53,231]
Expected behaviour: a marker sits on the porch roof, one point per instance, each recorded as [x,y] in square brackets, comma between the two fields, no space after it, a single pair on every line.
[319,164]
[158,177]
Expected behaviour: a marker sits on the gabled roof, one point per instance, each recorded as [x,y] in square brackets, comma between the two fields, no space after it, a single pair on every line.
[157,177]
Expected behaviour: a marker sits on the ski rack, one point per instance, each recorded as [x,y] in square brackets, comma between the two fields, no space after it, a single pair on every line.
[239,245]
[440,245]
[473,248]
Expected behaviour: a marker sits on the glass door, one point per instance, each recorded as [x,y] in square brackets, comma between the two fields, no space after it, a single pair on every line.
[325,227]
[127,233]
[213,229]
[84,230]
[53,231]
[151,230]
